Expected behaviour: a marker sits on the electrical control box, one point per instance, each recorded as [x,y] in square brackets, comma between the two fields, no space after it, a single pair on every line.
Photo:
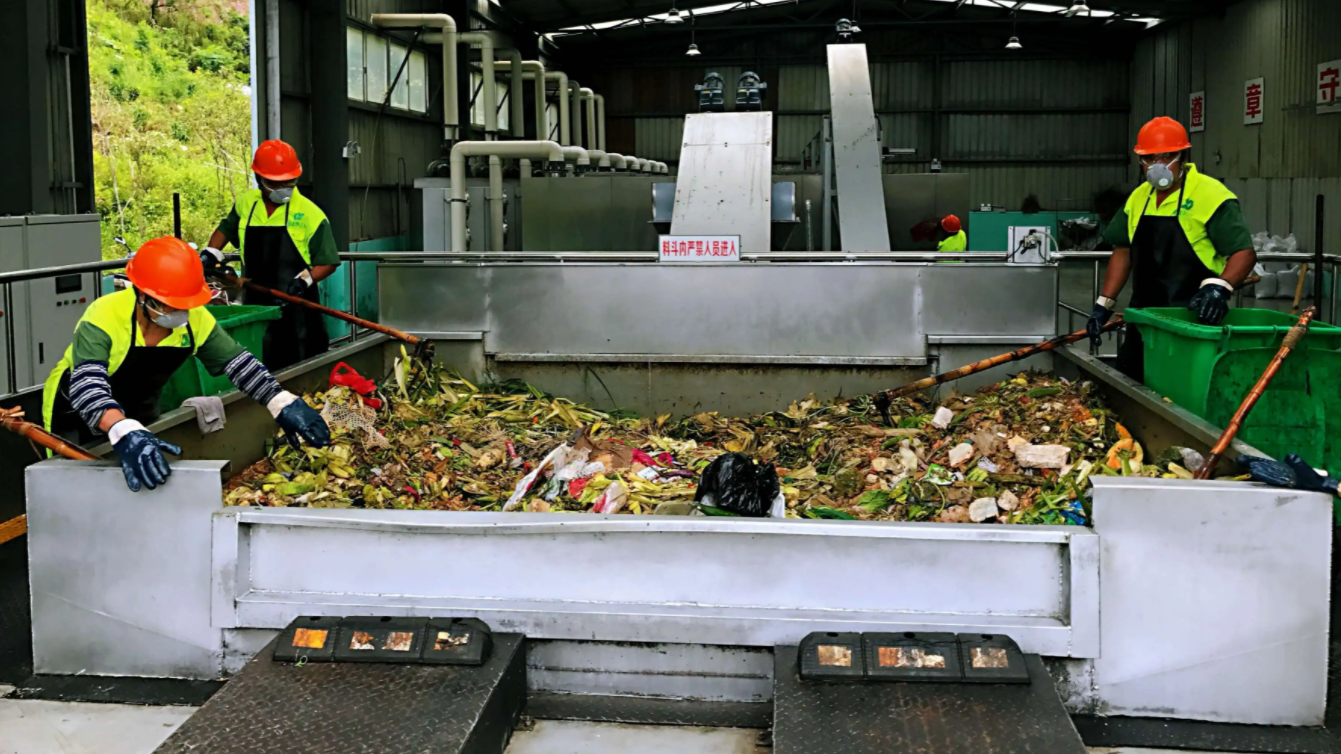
[43,313]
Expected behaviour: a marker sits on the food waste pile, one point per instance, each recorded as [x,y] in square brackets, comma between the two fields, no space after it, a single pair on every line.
[1019,452]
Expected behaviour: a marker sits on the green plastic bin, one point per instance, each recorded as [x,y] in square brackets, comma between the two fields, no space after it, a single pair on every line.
[247,326]
[1209,371]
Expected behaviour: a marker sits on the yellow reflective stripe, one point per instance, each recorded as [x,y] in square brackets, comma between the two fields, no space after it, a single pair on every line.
[304,217]
[1201,197]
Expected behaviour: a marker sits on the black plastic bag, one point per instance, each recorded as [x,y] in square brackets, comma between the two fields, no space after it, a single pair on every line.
[739,485]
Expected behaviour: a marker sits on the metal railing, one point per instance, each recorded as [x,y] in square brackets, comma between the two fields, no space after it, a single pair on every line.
[1331,264]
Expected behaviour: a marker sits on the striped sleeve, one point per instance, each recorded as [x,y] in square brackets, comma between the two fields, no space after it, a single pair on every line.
[91,392]
[251,377]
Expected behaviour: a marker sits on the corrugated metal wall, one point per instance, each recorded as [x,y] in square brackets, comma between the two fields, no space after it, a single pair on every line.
[1057,129]
[1280,166]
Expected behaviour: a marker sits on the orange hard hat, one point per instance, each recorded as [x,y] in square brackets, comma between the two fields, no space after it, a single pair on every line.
[1161,136]
[951,224]
[277,161]
[170,271]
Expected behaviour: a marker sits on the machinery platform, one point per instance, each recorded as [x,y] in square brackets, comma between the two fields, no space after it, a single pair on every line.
[816,717]
[334,708]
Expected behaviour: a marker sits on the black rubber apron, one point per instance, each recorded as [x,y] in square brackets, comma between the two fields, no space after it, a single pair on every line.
[136,385]
[270,258]
[1166,272]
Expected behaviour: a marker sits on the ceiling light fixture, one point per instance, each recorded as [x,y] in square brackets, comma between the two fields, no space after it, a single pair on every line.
[1014,44]
[693,50]
[1078,6]
[674,16]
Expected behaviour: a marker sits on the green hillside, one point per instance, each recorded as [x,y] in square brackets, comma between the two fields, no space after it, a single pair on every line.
[171,113]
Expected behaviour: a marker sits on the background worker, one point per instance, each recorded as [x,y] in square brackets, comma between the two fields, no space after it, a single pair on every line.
[127,346]
[286,244]
[955,239]
[1181,236]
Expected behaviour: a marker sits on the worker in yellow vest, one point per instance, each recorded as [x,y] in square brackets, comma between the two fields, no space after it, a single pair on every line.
[286,244]
[955,239]
[1181,237]
[127,346]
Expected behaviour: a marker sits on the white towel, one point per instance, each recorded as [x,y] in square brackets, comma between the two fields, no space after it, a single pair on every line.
[209,412]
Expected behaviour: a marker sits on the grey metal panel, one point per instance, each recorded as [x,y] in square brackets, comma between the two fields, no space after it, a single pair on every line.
[724,178]
[597,212]
[117,575]
[856,151]
[990,300]
[663,202]
[1177,640]
[784,202]
[54,240]
[1045,608]
[676,671]
[922,197]
[736,309]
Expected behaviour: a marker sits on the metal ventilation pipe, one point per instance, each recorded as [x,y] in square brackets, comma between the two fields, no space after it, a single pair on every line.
[599,158]
[545,150]
[600,122]
[534,70]
[589,97]
[575,110]
[451,119]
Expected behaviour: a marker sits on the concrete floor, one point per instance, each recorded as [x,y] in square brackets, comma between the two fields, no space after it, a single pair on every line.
[31,727]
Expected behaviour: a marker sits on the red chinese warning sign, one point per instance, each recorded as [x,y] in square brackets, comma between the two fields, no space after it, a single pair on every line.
[700,248]
[1329,81]
[1253,107]
[1196,120]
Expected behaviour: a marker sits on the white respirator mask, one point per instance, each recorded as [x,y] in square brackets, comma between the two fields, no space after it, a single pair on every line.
[171,321]
[1160,175]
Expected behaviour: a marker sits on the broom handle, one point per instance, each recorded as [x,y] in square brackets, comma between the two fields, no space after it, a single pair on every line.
[1004,358]
[10,420]
[1292,339]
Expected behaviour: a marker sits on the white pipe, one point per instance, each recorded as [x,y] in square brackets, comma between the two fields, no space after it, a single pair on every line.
[489,92]
[589,97]
[517,122]
[600,121]
[577,155]
[451,119]
[599,158]
[644,166]
[575,110]
[631,163]
[272,96]
[546,150]
[617,161]
[562,78]
[495,203]
[663,168]
[534,70]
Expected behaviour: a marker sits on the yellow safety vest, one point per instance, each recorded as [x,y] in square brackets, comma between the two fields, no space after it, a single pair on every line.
[1202,196]
[304,217]
[957,242]
[112,314]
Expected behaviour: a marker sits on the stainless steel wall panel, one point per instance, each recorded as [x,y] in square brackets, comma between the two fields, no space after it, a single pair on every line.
[788,310]
[997,300]
[1173,644]
[856,151]
[724,178]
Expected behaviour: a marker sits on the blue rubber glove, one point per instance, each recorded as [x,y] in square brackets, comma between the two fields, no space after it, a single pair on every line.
[299,420]
[141,454]
[1095,326]
[1293,474]
[1211,302]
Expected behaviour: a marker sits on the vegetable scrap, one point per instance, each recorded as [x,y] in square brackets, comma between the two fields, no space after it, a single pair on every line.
[1019,452]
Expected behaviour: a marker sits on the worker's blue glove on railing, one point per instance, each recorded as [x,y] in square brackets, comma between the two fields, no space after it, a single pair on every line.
[213,261]
[299,420]
[1095,326]
[141,454]
[1211,302]
[1293,474]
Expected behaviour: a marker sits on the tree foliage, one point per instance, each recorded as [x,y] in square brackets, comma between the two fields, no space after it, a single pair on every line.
[169,82]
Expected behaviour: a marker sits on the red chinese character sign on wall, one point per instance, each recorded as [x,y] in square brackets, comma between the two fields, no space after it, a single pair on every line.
[1196,119]
[1253,101]
[1328,87]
